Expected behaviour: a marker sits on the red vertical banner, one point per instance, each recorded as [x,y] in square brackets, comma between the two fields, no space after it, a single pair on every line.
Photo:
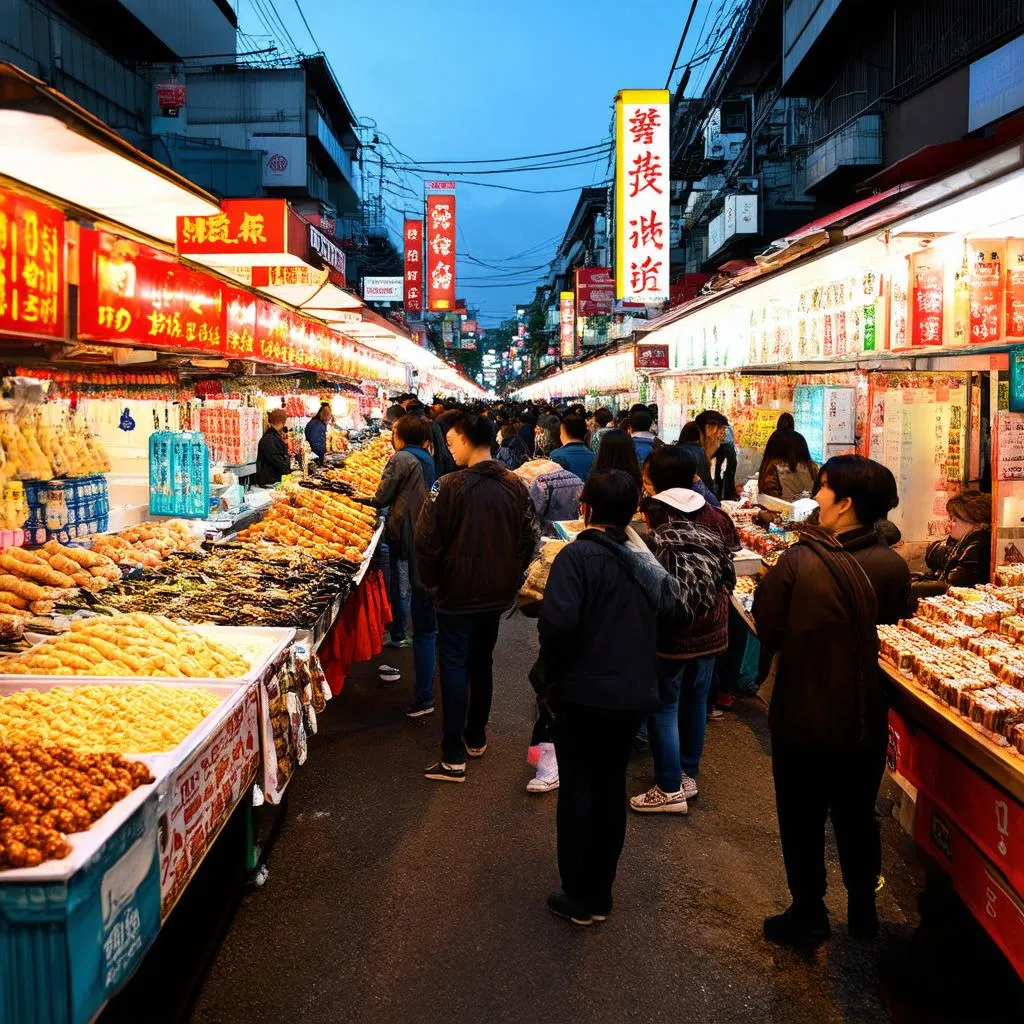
[567,324]
[1014,289]
[928,298]
[441,252]
[985,286]
[413,242]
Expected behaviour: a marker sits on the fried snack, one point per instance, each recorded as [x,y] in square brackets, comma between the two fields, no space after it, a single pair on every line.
[49,792]
[144,718]
[36,570]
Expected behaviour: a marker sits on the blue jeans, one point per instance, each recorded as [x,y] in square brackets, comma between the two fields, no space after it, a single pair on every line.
[465,650]
[424,643]
[677,729]
[399,596]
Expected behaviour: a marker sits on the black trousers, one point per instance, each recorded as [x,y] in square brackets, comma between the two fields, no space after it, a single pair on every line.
[812,784]
[593,748]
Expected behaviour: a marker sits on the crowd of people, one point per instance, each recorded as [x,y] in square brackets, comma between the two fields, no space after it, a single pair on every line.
[633,621]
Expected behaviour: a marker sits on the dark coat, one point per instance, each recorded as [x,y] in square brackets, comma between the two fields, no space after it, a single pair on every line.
[800,612]
[475,539]
[443,461]
[316,435]
[403,487]
[272,458]
[598,625]
[962,563]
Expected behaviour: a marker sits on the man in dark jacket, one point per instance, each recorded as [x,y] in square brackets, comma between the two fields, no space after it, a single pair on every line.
[475,539]
[597,670]
[404,486]
[818,609]
[272,459]
[316,431]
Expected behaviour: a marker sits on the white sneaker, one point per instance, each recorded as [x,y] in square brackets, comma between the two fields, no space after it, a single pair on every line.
[689,787]
[657,801]
[546,778]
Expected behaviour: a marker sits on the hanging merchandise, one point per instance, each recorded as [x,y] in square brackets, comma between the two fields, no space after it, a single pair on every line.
[179,474]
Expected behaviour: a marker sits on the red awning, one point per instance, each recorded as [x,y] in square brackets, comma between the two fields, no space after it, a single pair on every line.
[838,218]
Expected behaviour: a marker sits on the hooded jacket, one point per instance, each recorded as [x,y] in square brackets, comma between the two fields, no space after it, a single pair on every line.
[475,538]
[404,486]
[598,623]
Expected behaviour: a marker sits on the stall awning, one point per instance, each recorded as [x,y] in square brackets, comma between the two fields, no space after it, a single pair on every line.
[54,146]
[839,218]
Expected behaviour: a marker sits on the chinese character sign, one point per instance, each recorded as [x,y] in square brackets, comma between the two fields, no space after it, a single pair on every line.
[132,293]
[243,227]
[566,324]
[31,267]
[440,228]
[929,300]
[595,291]
[413,235]
[642,195]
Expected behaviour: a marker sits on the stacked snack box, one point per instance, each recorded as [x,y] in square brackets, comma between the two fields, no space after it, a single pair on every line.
[233,435]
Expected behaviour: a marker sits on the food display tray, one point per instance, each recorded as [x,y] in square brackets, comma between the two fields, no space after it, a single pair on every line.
[747,563]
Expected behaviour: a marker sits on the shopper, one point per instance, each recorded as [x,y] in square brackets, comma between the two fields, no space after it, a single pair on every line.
[698,458]
[603,422]
[548,433]
[817,610]
[528,431]
[404,486]
[475,538]
[597,670]
[694,542]
[713,428]
[787,471]
[508,453]
[640,431]
[272,458]
[574,455]
[316,431]
[617,451]
[554,492]
[963,559]
[690,439]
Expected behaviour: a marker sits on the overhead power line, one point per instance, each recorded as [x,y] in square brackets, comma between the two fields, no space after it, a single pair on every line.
[682,40]
[513,159]
[302,15]
[554,165]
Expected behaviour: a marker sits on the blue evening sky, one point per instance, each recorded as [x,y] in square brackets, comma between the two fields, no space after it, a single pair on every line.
[472,79]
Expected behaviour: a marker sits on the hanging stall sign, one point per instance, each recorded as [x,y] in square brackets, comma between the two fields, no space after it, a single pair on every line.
[650,357]
[170,98]
[135,294]
[31,267]
[273,277]
[413,242]
[1014,289]
[566,325]
[985,285]
[332,254]
[595,291]
[239,323]
[271,332]
[244,227]
[927,299]
[440,252]
[642,195]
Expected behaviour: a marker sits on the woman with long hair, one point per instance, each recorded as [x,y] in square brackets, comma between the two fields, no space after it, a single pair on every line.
[787,470]
[617,451]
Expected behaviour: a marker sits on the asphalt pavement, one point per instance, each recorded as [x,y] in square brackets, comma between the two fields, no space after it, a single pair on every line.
[393,899]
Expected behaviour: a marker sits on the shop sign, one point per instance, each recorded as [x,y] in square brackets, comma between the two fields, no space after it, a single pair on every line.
[203,793]
[1009,447]
[413,241]
[1014,288]
[595,291]
[170,98]
[469,326]
[642,194]
[650,357]
[927,298]
[275,277]
[440,252]
[383,289]
[271,332]
[31,267]
[137,295]
[440,186]
[331,253]
[985,285]
[239,323]
[243,227]
[566,325]
[1017,379]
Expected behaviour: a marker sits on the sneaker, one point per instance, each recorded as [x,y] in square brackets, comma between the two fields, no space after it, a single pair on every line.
[800,933]
[389,674]
[657,801]
[443,772]
[418,710]
[546,779]
[561,906]
[476,751]
[398,644]
[715,713]
[689,787]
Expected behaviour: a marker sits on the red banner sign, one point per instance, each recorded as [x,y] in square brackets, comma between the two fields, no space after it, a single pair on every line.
[244,227]
[595,291]
[31,267]
[440,252]
[239,323]
[566,325]
[132,293]
[927,298]
[1014,289]
[985,286]
[650,357]
[413,241]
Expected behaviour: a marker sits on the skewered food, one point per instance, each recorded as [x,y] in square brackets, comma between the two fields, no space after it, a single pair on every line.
[140,718]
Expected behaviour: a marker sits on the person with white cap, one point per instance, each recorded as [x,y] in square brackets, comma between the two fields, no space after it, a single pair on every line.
[694,542]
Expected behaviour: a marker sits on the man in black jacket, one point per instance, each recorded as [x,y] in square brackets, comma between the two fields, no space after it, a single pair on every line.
[475,538]
[272,459]
[598,670]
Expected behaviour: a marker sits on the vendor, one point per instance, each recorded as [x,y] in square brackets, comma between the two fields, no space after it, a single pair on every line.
[272,458]
[787,471]
[316,431]
[964,558]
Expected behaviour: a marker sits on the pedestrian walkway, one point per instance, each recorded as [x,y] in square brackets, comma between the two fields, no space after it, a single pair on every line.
[392,899]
